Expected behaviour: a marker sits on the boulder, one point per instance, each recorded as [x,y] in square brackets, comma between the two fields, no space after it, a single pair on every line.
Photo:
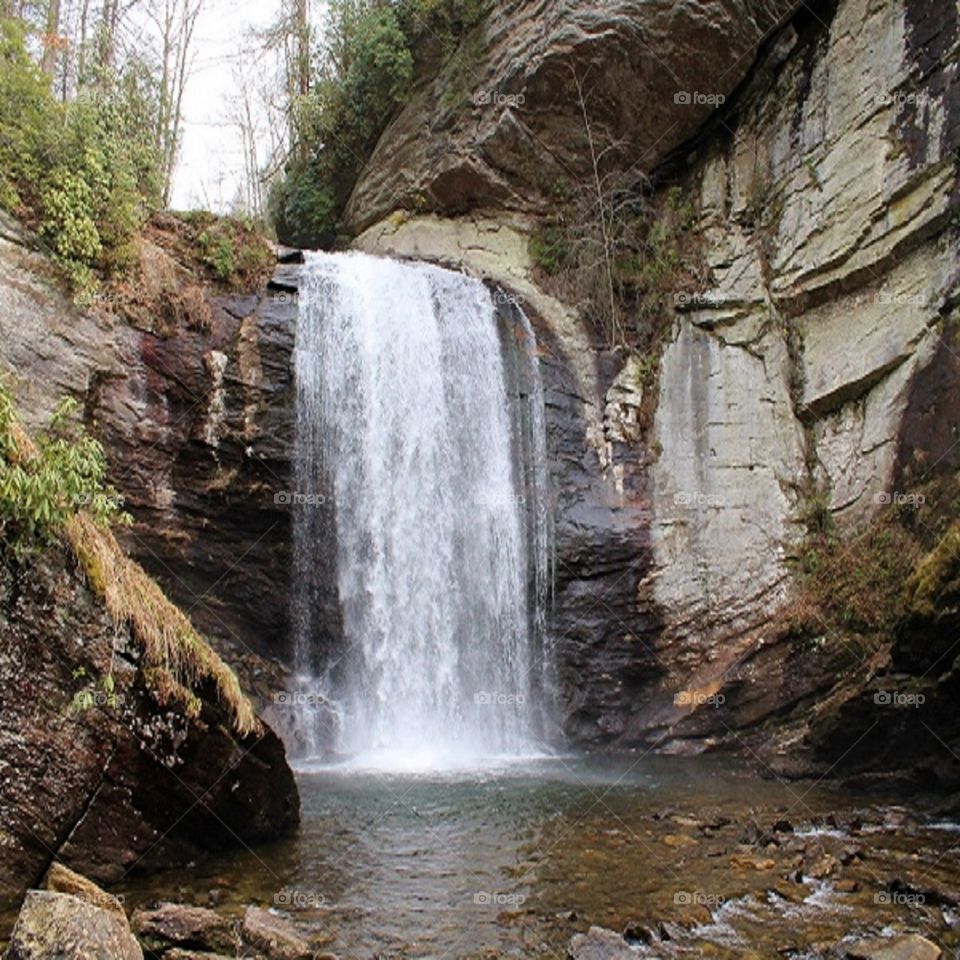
[60,926]
[599,943]
[178,925]
[112,780]
[61,879]
[274,936]
[911,947]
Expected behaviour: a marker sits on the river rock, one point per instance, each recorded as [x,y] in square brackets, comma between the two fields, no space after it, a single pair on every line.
[275,936]
[178,954]
[59,926]
[598,943]
[911,947]
[61,879]
[178,925]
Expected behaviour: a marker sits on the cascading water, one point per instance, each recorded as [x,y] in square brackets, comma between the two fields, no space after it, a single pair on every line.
[418,470]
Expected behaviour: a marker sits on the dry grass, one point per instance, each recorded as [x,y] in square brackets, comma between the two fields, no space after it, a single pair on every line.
[177,657]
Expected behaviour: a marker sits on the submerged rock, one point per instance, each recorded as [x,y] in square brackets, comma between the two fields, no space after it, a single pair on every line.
[912,947]
[177,925]
[60,926]
[599,944]
[274,935]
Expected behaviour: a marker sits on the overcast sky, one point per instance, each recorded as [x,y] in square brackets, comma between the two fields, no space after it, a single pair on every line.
[211,162]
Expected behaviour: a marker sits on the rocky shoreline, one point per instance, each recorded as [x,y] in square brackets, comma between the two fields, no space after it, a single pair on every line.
[868,884]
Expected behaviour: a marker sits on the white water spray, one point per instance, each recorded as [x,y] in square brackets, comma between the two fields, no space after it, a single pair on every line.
[420,472]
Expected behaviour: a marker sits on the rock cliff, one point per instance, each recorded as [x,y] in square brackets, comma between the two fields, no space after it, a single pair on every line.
[812,363]
[815,365]
[103,778]
[197,421]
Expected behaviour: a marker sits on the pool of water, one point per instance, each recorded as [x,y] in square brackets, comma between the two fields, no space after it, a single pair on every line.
[693,857]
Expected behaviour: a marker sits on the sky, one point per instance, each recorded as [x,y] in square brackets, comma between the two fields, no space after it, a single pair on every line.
[210,165]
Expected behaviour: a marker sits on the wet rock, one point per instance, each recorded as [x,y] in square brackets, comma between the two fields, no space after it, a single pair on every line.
[59,926]
[912,947]
[274,935]
[177,925]
[125,779]
[823,867]
[178,954]
[198,429]
[743,862]
[599,944]
[846,886]
[61,879]
[636,933]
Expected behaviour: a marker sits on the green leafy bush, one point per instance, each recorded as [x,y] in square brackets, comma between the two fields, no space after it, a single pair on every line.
[84,174]
[26,110]
[46,482]
[368,71]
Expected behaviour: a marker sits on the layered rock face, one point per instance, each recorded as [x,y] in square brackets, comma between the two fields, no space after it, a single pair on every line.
[817,362]
[99,775]
[829,200]
[502,121]
[198,429]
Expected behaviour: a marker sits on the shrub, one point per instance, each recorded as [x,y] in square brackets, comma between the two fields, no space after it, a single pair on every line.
[43,484]
[84,174]
[368,71]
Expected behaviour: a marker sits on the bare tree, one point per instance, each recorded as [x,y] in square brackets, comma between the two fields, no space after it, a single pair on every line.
[52,42]
[246,117]
[175,22]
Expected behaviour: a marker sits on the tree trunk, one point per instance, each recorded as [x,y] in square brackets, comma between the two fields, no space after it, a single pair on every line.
[51,39]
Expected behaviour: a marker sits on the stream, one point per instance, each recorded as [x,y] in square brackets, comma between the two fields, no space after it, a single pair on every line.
[693,857]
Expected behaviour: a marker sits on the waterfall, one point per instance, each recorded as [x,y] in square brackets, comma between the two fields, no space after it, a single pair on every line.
[420,519]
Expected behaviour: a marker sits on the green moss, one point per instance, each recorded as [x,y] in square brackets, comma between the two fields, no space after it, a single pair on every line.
[549,249]
[937,575]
